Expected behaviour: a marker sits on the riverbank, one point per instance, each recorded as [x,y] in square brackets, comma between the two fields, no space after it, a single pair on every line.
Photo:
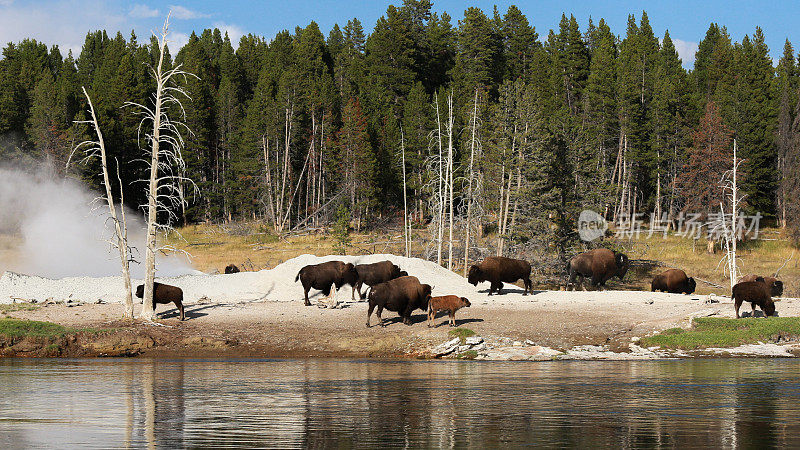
[546,325]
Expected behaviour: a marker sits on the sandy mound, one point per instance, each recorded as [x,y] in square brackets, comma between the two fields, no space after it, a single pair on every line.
[275,284]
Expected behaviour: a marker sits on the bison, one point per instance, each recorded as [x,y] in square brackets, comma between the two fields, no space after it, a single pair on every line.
[401,295]
[498,269]
[449,303]
[231,268]
[325,275]
[164,294]
[600,264]
[375,273]
[775,285]
[757,293]
[673,281]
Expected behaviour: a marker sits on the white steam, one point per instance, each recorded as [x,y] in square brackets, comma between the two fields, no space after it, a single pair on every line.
[53,229]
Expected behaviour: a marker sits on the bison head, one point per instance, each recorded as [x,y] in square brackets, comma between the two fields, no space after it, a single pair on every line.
[465,301]
[623,264]
[474,276]
[769,308]
[776,290]
[403,273]
[350,275]
[140,291]
[691,285]
[425,296]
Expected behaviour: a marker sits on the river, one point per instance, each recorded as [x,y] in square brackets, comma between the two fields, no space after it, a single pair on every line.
[106,403]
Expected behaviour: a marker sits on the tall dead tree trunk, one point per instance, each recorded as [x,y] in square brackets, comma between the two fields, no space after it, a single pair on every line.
[450,176]
[120,241]
[405,197]
[471,171]
[164,192]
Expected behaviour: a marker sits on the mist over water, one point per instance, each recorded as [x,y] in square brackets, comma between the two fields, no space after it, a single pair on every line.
[58,231]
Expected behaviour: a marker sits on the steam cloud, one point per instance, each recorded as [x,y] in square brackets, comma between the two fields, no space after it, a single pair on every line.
[54,230]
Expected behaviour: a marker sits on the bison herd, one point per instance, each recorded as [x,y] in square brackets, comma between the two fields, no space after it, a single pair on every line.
[393,289]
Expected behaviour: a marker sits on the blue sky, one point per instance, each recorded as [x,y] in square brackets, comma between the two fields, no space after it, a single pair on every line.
[65,22]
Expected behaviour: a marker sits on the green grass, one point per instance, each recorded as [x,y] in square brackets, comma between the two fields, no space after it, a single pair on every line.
[469,354]
[17,328]
[8,308]
[461,333]
[718,332]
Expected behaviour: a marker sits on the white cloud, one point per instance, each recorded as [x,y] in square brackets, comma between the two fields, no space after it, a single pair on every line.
[6,2]
[143,11]
[235,33]
[183,13]
[62,23]
[686,50]
[176,41]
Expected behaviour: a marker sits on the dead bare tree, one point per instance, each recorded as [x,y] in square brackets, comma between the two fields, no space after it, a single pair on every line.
[449,178]
[406,237]
[731,231]
[162,135]
[97,148]
[474,146]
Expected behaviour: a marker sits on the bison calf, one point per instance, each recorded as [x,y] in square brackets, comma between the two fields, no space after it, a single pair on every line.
[757,293]
[499,269]
[231,268]
[449,303]
[164,294]
[673,281]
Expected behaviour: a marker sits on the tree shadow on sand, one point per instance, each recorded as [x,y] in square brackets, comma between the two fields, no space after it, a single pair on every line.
[188,312]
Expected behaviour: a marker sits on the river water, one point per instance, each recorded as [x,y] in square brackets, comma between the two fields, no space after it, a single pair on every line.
[352,403]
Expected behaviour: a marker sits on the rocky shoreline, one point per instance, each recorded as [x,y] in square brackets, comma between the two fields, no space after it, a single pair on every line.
[240,331]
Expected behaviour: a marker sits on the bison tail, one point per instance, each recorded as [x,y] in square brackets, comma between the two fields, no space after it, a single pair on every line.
[297,278]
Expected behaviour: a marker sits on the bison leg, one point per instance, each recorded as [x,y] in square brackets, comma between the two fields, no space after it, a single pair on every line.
[179,305]
[308,303]
[431,317]
[736,304]
[369,312]
[452,318]
[528,286]
[753,313]
[378,313]
[407,315]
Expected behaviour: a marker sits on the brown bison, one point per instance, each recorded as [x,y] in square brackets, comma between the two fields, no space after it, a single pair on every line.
[325,275]
[401,295]
[600,265]
[499,269]
[375,273]
[757,293]
[164,294]
[231,268]
[449,303]
[775,285]
[673,281]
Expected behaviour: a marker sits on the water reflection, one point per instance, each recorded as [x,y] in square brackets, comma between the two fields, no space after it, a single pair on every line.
[320,403]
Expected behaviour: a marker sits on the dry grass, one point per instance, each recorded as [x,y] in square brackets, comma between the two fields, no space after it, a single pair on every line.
[763,257]
[252,247]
